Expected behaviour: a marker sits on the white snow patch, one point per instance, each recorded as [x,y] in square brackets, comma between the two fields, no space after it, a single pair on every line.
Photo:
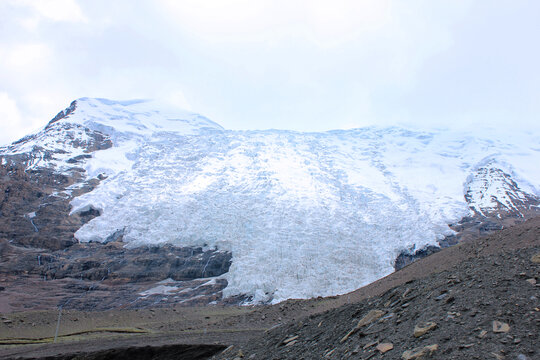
[159,290]
[167,281]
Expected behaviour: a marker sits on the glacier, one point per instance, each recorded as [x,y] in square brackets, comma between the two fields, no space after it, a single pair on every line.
[303,214]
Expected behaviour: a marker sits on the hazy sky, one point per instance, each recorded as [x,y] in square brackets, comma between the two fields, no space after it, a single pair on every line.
[303,65]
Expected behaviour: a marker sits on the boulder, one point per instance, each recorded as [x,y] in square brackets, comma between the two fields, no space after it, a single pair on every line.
[419,352]
[422,328]
[500,327]
[384,347]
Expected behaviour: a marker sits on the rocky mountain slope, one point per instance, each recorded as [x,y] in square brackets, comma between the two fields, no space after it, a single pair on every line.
[272,214]
[486,306]
[476,300]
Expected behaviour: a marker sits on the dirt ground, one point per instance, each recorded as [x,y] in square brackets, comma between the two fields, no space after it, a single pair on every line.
[486,307]
[481,280]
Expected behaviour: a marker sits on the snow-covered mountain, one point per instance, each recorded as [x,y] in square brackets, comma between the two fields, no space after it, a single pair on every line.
[303,214]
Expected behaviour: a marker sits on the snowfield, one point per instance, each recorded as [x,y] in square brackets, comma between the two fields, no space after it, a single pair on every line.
[304,214]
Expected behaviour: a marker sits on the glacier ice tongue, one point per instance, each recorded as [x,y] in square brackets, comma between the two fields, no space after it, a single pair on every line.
[304,214]
[281,202]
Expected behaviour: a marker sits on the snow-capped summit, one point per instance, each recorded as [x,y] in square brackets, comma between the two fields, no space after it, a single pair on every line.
[72,133]
[303,214]
[134,118]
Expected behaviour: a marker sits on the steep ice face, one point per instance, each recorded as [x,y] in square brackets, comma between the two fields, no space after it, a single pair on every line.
[304,214]
[293,210]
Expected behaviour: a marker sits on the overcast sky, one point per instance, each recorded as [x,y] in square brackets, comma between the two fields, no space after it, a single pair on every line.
[302,65]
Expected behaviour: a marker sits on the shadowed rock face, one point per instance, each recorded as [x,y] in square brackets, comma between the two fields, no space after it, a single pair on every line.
[96,261]
[95,276]
[33,212]
[63,114]
[35,195]
[470,228]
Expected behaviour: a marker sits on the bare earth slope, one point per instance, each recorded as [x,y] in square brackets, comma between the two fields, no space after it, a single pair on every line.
[478,300]
[481,297]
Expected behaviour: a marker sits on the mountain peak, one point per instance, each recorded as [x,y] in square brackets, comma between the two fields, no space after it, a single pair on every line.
[133,117]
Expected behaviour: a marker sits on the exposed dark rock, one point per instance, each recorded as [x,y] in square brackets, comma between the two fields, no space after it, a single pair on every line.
[96,261]
[63,114]
[469,228]
[406,258]
[34,198]
[107,275]
[514,203]
[497,214]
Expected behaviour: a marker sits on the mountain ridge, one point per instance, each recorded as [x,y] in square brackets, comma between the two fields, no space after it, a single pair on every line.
[148,177]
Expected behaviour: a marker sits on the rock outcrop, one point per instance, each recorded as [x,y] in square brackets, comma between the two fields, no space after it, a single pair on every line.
[39,181]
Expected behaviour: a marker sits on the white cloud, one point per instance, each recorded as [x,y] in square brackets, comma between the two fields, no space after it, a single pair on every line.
[30,14]
[10,117]
[325,23]
[25,57]
[178,99]
[27,115]
[303,65]
[56,10]
[334,23]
